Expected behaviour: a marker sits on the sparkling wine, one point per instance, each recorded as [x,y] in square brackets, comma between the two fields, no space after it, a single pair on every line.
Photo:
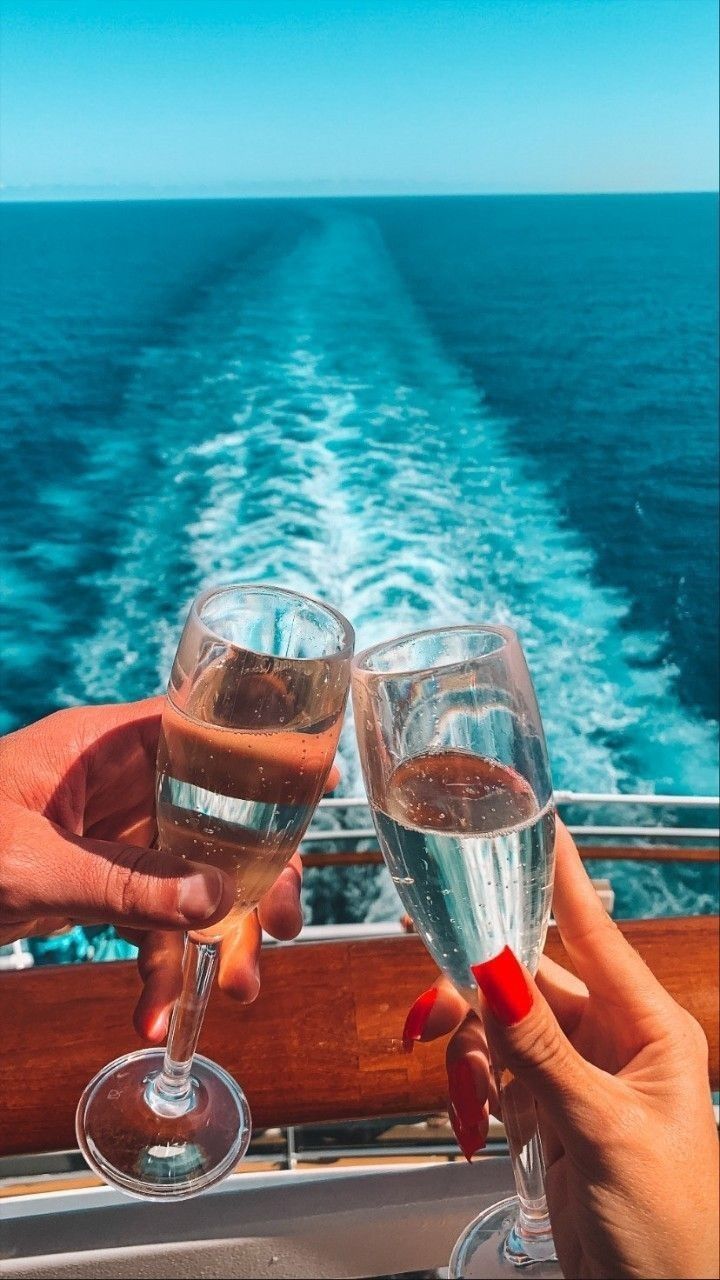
[240,798]
[471,854]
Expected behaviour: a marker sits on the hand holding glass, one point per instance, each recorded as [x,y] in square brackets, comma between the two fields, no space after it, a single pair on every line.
[249,732]
[456,771]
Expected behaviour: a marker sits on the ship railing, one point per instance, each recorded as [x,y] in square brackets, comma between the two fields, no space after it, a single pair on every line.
[337,839]
[321,1045]
[343,843]
[353,1096]
[664,831]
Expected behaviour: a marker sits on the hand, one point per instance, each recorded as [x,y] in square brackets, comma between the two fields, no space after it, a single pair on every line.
[77,806]
[620,1075]
[160,953]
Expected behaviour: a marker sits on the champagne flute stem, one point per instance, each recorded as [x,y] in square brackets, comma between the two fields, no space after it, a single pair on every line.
[171,1093]
[532,1232]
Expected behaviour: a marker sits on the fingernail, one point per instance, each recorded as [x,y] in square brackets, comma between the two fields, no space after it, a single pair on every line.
[503,985]
[416,1020]
[470,1140]
[159,1026]
[199,895]
[463,1094]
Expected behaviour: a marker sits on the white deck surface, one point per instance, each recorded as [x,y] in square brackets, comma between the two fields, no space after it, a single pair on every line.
[321,1223]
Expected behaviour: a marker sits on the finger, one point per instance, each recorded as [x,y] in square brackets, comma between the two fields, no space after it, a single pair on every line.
[119,751]
[471,1137]
[552,1147]
[566,994]
[471,1086]
[280,911]
[470,1043]
[115,736]
[145,712]
[518,1111]
[239,960]
[436,1012]
[40,927]
[527,1039]
[332,779]
[597,949]
[46,871]
[160,964]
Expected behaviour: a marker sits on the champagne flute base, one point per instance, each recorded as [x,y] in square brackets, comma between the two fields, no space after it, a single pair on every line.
[155,1156]
[490,1248]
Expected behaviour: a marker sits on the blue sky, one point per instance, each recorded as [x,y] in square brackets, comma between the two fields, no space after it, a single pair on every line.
[304,96]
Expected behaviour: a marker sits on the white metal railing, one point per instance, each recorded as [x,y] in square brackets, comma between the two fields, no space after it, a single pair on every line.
[17,956]
[562,798]
[613,797]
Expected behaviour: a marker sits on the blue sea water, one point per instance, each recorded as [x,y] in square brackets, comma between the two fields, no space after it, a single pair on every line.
[422,410]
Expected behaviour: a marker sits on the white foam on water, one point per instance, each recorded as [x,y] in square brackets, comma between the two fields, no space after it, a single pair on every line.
[315,434]
[414,511]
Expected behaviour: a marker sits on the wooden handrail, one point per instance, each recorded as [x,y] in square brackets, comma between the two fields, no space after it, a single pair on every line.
[589,852]
[321,1042]
[648,853]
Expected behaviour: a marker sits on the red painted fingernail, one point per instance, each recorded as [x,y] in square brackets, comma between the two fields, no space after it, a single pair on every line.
[463,1094]
[503,985]
[416,1020]
[470,1140]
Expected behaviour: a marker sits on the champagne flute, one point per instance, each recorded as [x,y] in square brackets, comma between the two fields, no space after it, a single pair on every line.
[249,732]
[456,771]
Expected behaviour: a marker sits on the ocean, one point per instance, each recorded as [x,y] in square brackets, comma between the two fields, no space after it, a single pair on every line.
[424,410]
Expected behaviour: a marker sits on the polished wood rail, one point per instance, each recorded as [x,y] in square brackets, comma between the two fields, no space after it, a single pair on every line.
[322,1041]
[590,853]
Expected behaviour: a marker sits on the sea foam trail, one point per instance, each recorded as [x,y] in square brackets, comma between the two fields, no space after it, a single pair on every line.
[312,432]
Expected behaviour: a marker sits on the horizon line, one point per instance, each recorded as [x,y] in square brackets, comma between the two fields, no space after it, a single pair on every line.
[168,195]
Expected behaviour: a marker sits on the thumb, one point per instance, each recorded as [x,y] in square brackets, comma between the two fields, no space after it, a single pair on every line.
[47,871]
[526,1039]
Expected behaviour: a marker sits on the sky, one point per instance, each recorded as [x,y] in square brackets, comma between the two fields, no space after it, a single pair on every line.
[297,97]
